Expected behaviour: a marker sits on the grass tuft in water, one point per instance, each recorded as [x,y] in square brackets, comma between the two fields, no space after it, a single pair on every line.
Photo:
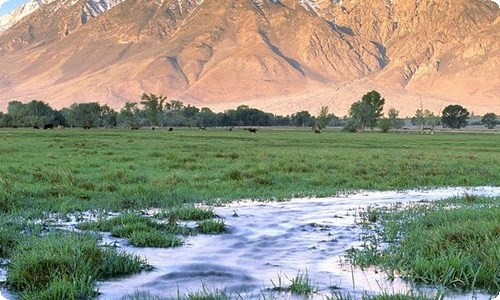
[214,226]
[65,265]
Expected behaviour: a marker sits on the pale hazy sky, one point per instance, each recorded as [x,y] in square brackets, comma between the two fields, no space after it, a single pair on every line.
[7,6]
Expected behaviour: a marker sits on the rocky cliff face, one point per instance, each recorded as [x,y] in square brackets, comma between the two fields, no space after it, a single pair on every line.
[280,55]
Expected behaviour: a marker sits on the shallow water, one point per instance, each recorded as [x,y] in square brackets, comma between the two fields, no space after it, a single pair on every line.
[270,241]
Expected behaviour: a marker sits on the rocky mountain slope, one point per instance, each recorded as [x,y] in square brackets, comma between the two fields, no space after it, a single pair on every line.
[277,55]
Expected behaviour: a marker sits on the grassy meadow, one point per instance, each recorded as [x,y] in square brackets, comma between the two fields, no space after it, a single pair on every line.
[73,170]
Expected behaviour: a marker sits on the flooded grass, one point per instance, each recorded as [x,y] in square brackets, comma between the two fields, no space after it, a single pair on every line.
[65,265]
[450,242]
[214,226]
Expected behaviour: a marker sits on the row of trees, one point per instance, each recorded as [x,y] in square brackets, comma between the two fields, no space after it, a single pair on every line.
[154,110]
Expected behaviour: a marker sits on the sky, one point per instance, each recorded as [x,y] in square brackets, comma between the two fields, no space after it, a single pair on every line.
[7,6]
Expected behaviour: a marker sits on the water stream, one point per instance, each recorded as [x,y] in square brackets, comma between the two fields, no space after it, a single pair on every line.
[266,242]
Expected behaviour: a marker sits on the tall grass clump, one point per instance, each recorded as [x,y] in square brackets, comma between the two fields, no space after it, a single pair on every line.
[450,242]
[301,284]
[385,296]
[212,226]
[65,265]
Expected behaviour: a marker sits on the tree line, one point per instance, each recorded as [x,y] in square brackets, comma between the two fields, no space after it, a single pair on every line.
[155,110]
[152,110]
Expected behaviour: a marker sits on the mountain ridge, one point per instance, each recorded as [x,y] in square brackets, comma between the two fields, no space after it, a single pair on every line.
[275,55]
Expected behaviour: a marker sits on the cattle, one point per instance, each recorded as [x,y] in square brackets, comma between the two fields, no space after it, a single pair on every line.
[203,128]
[86,127]
[317,130]
[60,127]
[252,130]
[230,128]
[170,129]
[134,127]
[153,128]
[36,127]
[48,126]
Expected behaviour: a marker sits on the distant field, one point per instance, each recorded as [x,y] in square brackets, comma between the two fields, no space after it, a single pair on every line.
[71,169]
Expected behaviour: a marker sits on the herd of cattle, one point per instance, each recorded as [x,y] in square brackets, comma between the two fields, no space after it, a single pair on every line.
[315,129]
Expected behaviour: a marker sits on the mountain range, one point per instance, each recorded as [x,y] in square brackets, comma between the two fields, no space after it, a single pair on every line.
[281,56]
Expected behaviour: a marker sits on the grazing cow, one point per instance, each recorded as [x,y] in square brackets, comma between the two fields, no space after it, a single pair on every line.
[203,128]
[171,129]
[134,127]
[230,128]
[60,127]
[48,126]
[36,127]
[86,127]
[153,128]
[252,130]
[317,130]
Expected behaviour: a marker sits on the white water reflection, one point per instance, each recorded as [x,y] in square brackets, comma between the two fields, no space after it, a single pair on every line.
[268,241]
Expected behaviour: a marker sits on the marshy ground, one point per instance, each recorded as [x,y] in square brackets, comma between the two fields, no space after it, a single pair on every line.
[59,172]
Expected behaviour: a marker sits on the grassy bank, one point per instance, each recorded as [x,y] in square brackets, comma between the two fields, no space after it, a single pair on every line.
[452,242]
[74,170]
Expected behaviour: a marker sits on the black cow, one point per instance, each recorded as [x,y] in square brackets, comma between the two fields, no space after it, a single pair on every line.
[86,127]
[170,129]
[36,127]
[134,127]
[252,130]
[48,126]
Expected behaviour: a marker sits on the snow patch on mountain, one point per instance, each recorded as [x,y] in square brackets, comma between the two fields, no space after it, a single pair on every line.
[93,8]
[22,11]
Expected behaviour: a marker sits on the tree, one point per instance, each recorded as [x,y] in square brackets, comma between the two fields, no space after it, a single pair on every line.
[394,117]
[302,118]
[425,118]
[153,106]
[128,114]
[367,111]
[84,114]
[323,117]
[489,120]
[455,116]
[385,124]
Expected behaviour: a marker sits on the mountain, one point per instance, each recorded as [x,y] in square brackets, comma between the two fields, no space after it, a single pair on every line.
[278,55]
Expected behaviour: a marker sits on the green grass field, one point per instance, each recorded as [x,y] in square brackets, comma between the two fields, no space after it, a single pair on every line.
[73,170]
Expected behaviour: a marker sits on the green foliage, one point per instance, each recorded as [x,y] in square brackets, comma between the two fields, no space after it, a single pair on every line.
[65,266]
[153,106]
[455,116]
[84,114]
[426,118]
[393,115]
[301,284]
[489,120]
[154,238]
[302,119]
[323,117]
[190,212]
[214,226]
[453,242]
[385,124]
[367,111]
